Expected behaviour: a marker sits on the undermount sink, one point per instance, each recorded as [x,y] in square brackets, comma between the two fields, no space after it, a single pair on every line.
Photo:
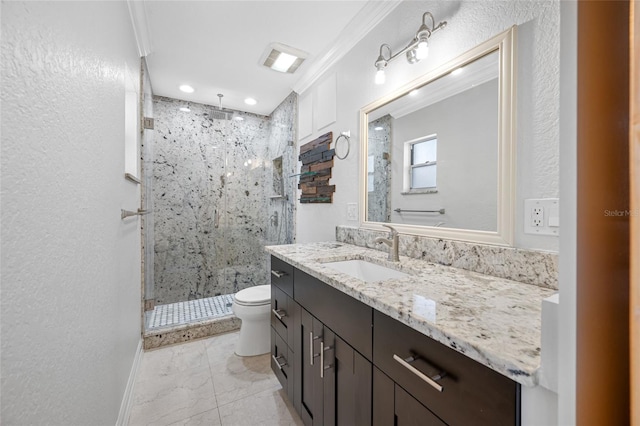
[366,271]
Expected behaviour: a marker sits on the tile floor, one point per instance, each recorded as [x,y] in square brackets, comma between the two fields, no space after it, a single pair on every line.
[205,383]
[189,311]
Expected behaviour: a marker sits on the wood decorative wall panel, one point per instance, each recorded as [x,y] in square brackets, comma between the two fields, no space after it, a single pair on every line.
[317,161]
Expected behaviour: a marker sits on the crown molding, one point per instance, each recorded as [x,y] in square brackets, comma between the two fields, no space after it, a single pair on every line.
[369,16]
[140,23]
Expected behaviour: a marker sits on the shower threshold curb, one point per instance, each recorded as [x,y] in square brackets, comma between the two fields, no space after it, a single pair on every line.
[159,337]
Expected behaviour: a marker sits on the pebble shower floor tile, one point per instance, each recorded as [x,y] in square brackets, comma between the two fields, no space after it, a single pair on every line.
[189,311]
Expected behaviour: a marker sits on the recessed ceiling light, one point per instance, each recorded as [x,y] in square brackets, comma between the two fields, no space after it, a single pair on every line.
[186,88]
[185,109]
[250,101]
[283,58]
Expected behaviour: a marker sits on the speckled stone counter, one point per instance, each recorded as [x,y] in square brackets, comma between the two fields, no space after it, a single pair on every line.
[492,320]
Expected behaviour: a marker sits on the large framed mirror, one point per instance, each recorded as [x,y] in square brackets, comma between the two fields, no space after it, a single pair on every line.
[438,154]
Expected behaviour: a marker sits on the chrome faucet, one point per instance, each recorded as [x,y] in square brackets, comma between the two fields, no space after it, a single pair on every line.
[392,242]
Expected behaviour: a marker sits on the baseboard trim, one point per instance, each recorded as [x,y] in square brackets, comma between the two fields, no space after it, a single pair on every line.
[127,399]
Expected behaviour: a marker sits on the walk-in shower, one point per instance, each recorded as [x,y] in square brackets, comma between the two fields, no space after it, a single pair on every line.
[209,177]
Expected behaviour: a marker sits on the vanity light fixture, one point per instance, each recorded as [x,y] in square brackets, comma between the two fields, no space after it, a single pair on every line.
[417,49]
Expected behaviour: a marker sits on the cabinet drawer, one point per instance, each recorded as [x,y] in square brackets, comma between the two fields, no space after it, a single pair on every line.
[281,363]
[282,314]
[282,275]
[471,394]
[347,317]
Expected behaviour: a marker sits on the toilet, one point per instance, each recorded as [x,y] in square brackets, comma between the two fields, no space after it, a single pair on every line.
[253,306]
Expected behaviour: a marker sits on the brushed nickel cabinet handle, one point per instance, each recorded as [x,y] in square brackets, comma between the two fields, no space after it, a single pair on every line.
[311,354]
[430,380]
[322,360]
[323,348]
[278,274]
[278,363]
[311,348]
[279,313]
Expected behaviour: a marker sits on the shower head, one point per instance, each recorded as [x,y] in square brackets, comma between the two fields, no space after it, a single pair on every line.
[221,113]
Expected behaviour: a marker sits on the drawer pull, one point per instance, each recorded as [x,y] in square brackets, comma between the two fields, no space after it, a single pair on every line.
[278,274]
[276,358]
[430,380]
[279,313]
[322,366]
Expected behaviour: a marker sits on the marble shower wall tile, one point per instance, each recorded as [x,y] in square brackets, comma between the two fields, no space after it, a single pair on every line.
[527,266]
[379,170]
[211,183]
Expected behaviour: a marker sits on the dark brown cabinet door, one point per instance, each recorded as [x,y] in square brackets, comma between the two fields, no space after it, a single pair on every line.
[336,379]
[383,399]
[347,384]
[393,406]
[311,386]
[410,412]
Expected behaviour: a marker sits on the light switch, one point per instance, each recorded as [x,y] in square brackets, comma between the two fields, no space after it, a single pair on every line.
[352,211]
[554,217]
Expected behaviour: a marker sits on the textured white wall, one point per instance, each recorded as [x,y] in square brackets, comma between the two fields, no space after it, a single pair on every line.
[467,172]
[469,23]
[70,266]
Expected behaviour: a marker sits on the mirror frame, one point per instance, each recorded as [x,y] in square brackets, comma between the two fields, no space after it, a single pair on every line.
[504,43]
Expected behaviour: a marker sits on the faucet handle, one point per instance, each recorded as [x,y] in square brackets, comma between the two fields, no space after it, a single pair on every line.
[393,230]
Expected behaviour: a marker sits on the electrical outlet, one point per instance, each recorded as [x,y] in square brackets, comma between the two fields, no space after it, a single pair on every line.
[541,216]
[537,217]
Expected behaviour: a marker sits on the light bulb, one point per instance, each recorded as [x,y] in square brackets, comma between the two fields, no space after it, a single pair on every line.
[412,56]
[380,77]
[422,50]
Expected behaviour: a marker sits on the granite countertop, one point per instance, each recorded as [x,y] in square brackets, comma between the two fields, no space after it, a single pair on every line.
[492,320]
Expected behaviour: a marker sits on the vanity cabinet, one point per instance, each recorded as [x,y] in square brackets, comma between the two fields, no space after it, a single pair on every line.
[335,376]
[284,316]
[343,363]
[328,380]
[455,388]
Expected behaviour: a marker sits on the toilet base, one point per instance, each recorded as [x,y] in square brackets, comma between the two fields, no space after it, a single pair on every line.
[255,330]
[255,339]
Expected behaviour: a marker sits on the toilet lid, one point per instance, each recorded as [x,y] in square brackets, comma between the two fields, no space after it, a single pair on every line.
[257,295]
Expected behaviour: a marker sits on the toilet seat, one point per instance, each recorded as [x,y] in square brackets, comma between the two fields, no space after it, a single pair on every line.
[254,296]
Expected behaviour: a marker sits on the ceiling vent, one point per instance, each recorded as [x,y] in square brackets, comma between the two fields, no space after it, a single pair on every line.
[283,58]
